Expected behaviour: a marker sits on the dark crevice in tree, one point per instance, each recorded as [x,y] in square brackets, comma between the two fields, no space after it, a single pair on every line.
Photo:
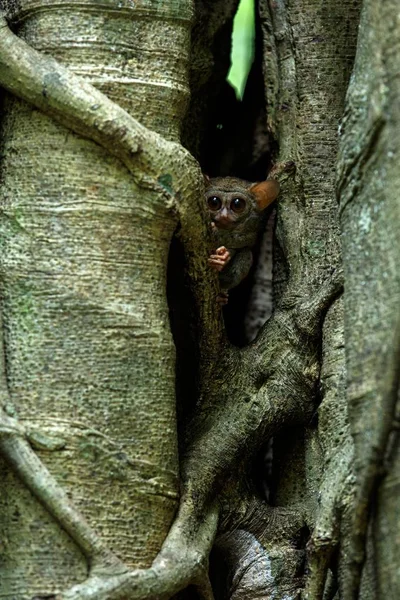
[233,140]
[247,152]
[236,142]
[302,538]
[183,327]
[261,470]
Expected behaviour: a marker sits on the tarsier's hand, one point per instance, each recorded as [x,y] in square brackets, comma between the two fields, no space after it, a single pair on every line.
[220,259]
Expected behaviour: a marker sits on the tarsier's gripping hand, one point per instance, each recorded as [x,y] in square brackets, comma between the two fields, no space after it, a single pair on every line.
[218,261]
[220,258]
[233,266]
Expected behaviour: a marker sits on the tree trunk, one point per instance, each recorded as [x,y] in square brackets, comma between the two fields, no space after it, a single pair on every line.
[369,212]
[88,348]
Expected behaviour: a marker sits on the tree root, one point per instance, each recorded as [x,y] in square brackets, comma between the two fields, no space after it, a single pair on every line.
[262,388]
[182,560]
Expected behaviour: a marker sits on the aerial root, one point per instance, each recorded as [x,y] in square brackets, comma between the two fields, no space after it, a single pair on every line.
[320,550]
[183,560]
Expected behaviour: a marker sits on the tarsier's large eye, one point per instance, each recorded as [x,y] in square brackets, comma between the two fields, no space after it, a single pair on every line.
[214,203]
[238,205]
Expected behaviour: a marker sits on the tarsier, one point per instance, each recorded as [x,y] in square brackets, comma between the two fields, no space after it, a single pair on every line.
[236,208]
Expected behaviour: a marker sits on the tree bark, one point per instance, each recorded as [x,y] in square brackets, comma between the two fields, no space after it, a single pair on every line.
[88,350]
[88,424]
[307,60]
[369,213]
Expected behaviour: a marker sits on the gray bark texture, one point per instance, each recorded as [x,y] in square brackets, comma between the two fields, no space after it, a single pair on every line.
[133,432]
[368,174]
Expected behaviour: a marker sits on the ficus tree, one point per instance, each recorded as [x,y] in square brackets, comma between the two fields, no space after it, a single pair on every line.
[136,418]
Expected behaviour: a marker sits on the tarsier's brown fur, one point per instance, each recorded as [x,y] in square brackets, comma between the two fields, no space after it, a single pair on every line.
[236,207]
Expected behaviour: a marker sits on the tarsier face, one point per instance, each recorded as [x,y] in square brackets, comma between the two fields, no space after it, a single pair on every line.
[230,200]
[227,208]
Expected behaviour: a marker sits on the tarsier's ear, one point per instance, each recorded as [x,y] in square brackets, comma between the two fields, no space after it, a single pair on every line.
[265,192]
[206,179]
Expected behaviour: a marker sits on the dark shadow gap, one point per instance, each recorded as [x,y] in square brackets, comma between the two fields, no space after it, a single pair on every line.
[236,143]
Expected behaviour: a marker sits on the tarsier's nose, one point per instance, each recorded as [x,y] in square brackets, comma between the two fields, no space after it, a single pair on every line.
[223,215]
[223,218]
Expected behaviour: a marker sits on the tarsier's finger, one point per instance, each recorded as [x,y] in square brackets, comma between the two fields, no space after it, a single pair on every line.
[216,264]
[217,258]
[223,253]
